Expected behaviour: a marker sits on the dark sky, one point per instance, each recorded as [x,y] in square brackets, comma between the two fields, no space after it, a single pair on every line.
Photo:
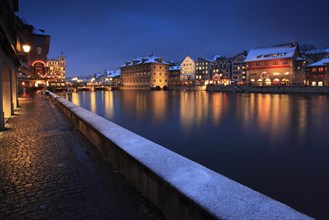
[96,34]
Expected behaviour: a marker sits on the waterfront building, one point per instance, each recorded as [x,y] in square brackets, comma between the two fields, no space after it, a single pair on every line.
[317,74]
[174,75]
[113,77]
[274,65]
[203,70]
[149,72]
[187,71]
[239,71]
[221,71]
[56,75]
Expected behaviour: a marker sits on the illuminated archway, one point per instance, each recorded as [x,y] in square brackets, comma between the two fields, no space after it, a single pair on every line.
[276,81]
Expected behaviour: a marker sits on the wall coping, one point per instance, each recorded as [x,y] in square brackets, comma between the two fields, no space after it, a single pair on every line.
[216,194]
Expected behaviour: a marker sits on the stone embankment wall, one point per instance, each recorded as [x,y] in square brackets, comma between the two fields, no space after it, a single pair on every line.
[181,188]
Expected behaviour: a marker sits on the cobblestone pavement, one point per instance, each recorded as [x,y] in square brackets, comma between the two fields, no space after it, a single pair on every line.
[48,170]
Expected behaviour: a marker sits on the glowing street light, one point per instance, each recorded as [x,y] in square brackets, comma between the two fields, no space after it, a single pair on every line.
[26,48]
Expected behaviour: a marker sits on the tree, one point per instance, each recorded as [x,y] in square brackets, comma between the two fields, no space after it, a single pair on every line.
[307,47]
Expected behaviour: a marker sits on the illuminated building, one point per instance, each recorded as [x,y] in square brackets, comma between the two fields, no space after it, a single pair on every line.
[273,65]
[239,71]
[203,70]
[38,58]
[174,75]
[187,71]
[221,71]
[57,72]
[145,73]
[317,74]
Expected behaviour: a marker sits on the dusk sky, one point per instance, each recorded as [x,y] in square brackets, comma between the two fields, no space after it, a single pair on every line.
[96,34]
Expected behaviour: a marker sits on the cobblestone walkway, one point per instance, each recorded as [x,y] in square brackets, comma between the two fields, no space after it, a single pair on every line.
[48,170]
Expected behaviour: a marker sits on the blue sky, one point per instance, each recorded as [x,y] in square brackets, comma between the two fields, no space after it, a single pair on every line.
[96,34]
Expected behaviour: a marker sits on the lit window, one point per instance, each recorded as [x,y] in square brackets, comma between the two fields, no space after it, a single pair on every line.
[283,54]
[39,50]
[321,69]
[275,55]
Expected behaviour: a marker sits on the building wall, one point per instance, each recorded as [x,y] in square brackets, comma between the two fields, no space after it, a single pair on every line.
[278,71]
[9,61]
[38,55]
[148,75]
[57,71]
[239,69]
[187,69]
[203,69]
[317,76]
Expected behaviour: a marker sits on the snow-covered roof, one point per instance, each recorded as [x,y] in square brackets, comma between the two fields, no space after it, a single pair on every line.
[322,62]
[271,53]
[215,57]
[315,51]
[174,68]
[113,73]
[205,59]
[148,59]
[38,31]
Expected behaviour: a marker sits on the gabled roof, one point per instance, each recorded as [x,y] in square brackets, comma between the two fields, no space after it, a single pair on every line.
[271,53]
[322,62]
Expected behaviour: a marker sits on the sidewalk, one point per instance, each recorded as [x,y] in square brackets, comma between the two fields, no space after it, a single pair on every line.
[48,170]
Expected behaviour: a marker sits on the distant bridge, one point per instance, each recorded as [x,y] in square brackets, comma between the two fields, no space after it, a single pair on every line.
[95,88]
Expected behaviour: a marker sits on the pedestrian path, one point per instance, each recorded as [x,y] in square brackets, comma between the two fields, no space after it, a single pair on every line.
[48,170]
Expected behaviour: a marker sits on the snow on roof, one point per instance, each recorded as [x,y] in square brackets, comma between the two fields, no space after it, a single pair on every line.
[148,59]
[113,73]
[271,53]
[215,57]
[174,68]
[39,31]
[322,62]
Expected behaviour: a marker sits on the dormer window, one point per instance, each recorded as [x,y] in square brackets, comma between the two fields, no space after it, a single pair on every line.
[283,54]
[259,56]
[275,55]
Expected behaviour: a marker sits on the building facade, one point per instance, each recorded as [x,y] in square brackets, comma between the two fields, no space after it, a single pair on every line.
[317,74]
[9,60]
[221,71]
[38,74]
[145,73]
[174,76]
[239,71]
[56,75]
[203,70]
[187,71]
[275,65]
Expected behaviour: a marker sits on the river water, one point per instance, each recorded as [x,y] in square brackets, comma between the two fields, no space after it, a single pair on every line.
[276,144]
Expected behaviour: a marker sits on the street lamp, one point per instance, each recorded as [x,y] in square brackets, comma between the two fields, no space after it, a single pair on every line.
[26,48]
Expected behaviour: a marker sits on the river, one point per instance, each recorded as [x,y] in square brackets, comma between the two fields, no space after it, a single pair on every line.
[276,144]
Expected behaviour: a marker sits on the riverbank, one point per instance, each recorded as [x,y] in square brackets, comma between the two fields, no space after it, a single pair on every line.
[269,89]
